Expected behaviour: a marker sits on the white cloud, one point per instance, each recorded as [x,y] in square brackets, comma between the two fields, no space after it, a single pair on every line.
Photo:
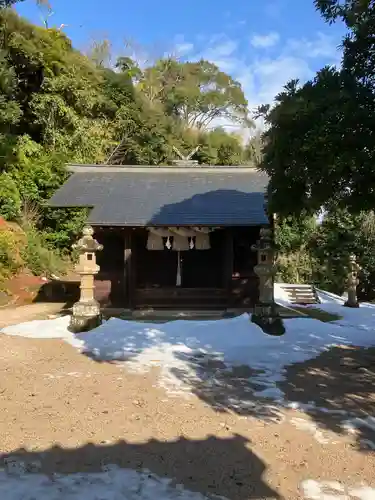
[322,46]
[265,41]
[219,48]
[183,49]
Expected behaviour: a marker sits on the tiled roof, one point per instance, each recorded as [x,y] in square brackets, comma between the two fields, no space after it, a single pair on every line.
[166,196]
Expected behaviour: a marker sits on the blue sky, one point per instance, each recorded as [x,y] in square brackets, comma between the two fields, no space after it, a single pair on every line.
[262,43]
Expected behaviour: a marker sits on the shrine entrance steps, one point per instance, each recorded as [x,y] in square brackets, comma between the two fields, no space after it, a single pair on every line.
[300,294]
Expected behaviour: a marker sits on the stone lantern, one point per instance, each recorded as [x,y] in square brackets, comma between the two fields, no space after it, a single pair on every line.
[352,282]
[86,312]
[265,314]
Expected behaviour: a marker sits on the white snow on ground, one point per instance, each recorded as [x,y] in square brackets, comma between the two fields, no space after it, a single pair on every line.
[20,481]
[112,483]
[177,347]
[313,429]
[333,490]
[362,318]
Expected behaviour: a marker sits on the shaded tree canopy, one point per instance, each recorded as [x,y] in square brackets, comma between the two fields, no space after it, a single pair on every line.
[319,146]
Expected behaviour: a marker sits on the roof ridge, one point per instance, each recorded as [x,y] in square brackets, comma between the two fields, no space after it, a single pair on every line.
[77,168]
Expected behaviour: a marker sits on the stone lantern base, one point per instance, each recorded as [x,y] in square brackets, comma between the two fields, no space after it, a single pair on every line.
[267,318]
[349,303]
[85,317]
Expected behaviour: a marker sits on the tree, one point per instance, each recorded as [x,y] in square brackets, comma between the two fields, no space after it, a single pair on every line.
[8,3]
[195,92]
[352,12]
[100,53]
[340,235]
[254,149]
[58,106]
[319,146]
[293,235]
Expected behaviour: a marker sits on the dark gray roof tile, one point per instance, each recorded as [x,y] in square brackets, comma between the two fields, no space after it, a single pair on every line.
[165,196]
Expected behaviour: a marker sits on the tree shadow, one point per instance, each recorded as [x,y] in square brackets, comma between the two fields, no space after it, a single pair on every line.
[332,388]
[108,291]
[216,207]
[61,291]
[336,390]
[227,389]
[213,466]
[336,387]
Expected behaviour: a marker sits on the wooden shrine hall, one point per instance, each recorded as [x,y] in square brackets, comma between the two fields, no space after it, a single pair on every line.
[173,236]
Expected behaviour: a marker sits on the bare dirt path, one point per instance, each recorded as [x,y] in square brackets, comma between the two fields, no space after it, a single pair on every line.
[75,414]
[14,315]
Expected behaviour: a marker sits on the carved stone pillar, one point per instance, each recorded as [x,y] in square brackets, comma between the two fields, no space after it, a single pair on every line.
[86,312]
[265,313]
[352,282]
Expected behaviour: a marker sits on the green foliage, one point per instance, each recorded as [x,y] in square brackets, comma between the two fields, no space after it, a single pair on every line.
[218,147]
[195,92]
[319,253]
[313,146]
[10,200]
[319,146]
[58,106]
[9,260]
[295,263]
[61,227]
[38,257]
[319,152]
[342,234]
[8,3]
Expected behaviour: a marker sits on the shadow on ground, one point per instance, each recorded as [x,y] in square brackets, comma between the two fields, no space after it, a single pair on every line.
[213,466]
[341,379]
[64,291]
[227,389]
[337,386]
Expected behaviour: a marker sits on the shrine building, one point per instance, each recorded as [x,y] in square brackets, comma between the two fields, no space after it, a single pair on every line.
[174,237]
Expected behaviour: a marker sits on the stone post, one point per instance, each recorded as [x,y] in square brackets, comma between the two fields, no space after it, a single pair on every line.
[265,314]
[86,312]
[352,282]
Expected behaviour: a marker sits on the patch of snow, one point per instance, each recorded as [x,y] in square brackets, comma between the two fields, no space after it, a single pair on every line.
[111,484]
[56,328]
[280,295]
[333,490]
[329,298]
[353,426]
[312,428]
[362,318]
[180,348]
[367,444]
[357,423]
[270,393]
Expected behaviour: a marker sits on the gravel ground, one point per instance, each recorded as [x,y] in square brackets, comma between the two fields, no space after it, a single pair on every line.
[74,414]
